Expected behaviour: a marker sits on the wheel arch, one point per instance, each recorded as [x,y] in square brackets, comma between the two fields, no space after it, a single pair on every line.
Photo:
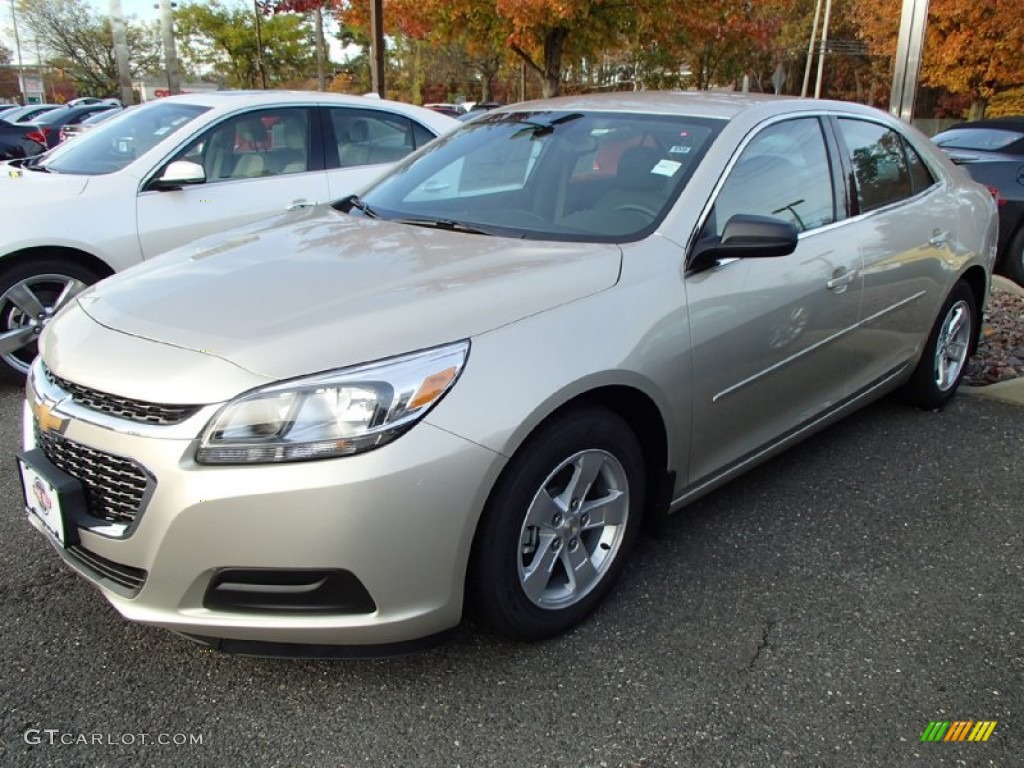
[74,255]
[642,414]
[977,280]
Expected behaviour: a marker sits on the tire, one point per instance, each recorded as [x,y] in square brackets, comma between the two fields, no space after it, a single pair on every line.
[31,291]
[1013,259]
[949,346]
[535,530]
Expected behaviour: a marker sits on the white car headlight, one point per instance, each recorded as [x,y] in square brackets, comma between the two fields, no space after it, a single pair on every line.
[336,413]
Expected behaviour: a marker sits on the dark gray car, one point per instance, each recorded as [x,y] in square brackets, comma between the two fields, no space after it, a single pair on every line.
[992,151]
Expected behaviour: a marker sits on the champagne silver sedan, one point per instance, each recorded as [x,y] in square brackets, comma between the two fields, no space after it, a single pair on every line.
[336,431]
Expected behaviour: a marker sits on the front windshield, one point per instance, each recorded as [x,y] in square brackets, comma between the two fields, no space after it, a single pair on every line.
[111,146]
[586,177]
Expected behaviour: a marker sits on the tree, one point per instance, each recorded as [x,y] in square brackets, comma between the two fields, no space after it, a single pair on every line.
[719,40]
[973,47]
[81,43]
[222,38]
[316,9]
[542,33]
[8,78]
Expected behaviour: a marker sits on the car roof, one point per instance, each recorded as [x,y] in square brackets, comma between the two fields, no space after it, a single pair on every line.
[724,105]
[229,101]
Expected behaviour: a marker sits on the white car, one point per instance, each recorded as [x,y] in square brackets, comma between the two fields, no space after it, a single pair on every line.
[171,171]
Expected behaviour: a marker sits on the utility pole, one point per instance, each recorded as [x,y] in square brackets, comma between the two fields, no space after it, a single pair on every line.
[377,40]
[124,75]
[260,65]
[909,51]
[810,50]
[21,65]
[170,52]
[824,42]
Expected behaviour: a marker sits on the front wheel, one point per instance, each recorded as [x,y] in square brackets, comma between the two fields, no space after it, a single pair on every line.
[944,360]
[558,527]
[31,292]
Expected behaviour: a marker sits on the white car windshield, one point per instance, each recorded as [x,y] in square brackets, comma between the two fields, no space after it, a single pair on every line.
[587,177]
[113,145]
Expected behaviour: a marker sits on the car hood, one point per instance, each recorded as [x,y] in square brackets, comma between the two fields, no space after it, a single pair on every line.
[34,187]
[323,290]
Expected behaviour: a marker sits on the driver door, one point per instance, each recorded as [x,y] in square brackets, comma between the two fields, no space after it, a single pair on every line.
[771,336]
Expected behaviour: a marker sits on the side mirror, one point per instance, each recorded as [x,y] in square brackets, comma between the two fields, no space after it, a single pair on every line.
[746,237]
[180,173]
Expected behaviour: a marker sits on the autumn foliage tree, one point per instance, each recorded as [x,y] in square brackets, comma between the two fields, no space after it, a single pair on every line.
[973,47]
[541,33]
[717,40]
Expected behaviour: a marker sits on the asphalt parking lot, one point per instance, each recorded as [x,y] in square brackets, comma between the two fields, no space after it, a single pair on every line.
[820,611]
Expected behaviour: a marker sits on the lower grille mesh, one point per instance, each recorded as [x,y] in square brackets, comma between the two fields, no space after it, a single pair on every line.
[114,486]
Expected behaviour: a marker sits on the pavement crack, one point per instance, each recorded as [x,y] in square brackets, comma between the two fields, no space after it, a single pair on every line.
[763,645]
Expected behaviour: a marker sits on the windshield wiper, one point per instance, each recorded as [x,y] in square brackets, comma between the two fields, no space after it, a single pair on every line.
[346,204]
[449,224]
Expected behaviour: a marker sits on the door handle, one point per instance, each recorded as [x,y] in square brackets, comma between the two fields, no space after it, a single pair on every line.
[296,205]
[939,238]
[842,280]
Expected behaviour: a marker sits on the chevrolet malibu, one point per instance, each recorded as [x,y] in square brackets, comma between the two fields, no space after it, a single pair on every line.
[336,431]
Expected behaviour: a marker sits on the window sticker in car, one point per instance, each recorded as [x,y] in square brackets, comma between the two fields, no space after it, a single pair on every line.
[679,150]
[666,167]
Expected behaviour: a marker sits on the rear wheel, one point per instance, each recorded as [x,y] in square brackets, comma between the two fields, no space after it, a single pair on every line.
[558,527]
[942,365]
[31,292]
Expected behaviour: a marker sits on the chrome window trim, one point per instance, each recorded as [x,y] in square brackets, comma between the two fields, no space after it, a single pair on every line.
[741,147]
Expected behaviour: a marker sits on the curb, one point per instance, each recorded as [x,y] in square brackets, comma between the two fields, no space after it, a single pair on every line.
[1000,282]
[1009,391]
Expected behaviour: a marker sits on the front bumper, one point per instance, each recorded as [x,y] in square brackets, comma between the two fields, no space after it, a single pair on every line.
[400,519]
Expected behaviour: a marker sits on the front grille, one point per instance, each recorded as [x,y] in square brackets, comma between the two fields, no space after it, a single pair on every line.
[122,407]
[114,486]
[131,579]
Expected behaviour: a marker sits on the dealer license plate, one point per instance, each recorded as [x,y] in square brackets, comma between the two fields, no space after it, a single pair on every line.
[42,501]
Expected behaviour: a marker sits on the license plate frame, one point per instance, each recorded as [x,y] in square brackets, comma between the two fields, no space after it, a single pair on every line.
[51,497]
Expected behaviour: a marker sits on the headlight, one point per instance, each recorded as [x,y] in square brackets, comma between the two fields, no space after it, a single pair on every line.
[336,413]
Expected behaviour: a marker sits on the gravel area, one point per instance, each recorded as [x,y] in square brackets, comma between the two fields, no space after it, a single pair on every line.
[1000,355]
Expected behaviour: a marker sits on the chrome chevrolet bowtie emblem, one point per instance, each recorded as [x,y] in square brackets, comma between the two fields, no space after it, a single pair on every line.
[46,419]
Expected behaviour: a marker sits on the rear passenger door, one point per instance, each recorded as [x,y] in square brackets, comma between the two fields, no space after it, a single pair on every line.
[361,144]
[895,201]
[258,163]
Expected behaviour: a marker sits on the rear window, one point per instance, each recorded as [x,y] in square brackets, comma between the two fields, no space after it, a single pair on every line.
[985,139]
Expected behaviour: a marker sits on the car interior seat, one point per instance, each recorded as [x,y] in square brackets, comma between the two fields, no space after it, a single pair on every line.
[250,162]
[356,151]
[636,182]
[296,145]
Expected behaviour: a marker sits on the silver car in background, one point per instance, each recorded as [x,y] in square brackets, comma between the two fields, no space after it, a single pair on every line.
[331,431]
